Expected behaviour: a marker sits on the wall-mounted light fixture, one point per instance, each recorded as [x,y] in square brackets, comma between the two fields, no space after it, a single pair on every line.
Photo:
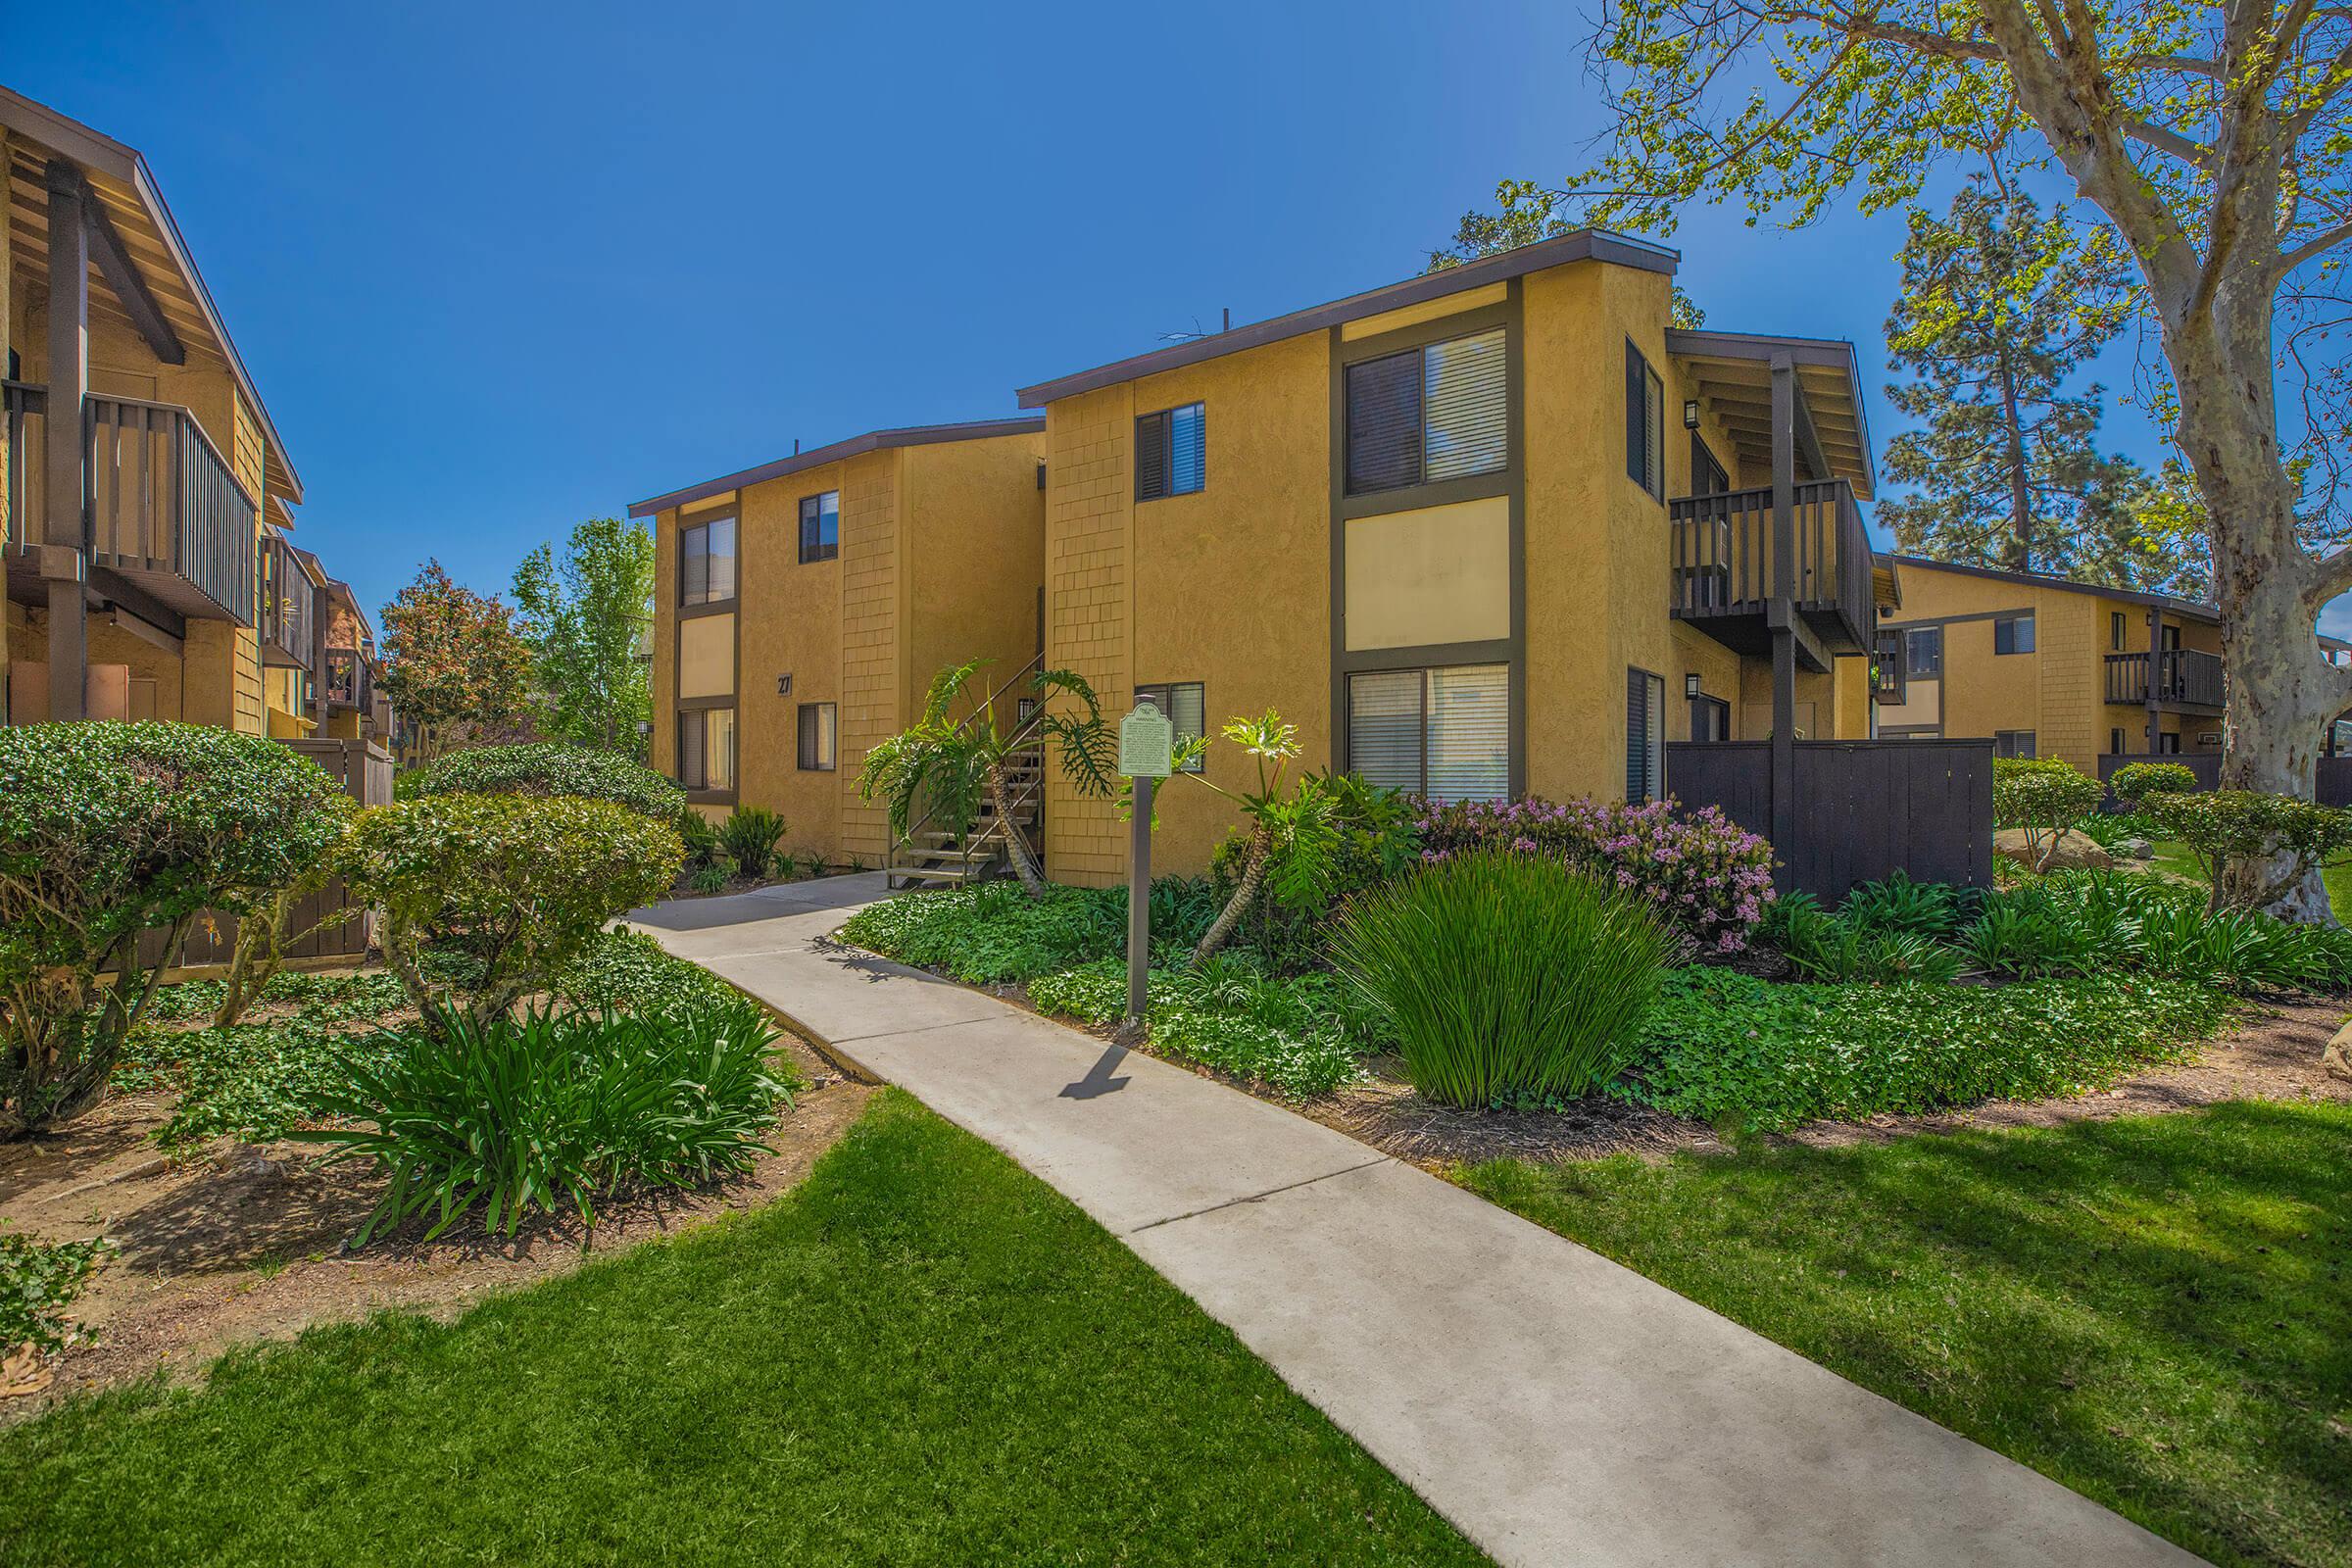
[1691,685]
[1691,413]
[784,684]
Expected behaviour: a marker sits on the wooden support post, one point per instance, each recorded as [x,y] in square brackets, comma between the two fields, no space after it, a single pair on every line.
[63,558]
[1138,912]
[320,610]
[1782,615]
[2155,657]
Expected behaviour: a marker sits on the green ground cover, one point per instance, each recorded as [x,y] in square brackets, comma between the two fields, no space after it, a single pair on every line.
[2156,1312]
[921,1354]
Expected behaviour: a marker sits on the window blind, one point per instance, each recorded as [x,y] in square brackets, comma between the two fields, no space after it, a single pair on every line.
[706,561]
[818,728]
[1645,423]
[1444,734]
[1644,736]
[1186,706]
[2013,634]
[1171,452]
[1464,404]
[1439,411]
[1385,728]
[820,526]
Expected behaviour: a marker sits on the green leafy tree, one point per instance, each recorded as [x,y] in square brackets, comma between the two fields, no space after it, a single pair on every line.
[453,663]
[2000,307]
[585,619]
[956,762]
[2214,141]
[1525,213]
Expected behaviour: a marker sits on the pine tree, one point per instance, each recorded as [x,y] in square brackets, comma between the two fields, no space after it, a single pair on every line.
[2000,308]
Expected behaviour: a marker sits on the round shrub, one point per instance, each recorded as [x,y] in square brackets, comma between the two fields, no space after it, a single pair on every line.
[548,770]
[110,829]
[2283,836]
[1705,876]
[519,885]
[2134,782]
[1507,977]
[2042,798]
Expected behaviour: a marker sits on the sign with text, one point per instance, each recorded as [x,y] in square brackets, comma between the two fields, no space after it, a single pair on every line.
[1146,742]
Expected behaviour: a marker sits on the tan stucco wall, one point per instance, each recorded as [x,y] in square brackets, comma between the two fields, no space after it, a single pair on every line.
[939,561]
[2059,690]
[1230,587]
[1435,574]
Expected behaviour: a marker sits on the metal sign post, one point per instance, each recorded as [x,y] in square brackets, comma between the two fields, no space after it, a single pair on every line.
[1147,748]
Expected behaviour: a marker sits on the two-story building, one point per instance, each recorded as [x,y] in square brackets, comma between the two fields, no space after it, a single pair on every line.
[2049,668]
[1492,531]
[805,606]
[145,496]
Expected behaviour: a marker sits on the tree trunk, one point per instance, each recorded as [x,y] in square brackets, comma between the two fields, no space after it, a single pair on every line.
[2021,502]
[1016,844]
[1260,841]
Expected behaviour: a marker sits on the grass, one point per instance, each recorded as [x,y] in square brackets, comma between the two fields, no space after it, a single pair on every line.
[2155,1311]
[921,1354]
[2172,855]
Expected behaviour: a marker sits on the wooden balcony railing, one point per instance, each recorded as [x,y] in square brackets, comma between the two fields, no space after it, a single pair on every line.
[2185,678]
[347,680]
[1722,560]
[159,505]
[290,607]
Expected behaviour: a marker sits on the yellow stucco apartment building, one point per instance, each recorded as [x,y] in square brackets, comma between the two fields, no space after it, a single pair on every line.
[1492,531]
[2047,667]
[145,497]
[804,607]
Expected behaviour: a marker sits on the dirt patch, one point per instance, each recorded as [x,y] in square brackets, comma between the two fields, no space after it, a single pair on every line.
[244,1242]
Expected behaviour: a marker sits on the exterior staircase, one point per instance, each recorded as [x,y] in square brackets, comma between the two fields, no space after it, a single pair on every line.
[932,858]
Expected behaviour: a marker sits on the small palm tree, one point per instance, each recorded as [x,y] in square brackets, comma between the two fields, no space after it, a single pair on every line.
[1297,833]
[955,763]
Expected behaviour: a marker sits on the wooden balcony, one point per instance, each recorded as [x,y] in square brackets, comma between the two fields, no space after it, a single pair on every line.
[2188,681]
[161,512]
[1722,560]
[347,682]
[289,608]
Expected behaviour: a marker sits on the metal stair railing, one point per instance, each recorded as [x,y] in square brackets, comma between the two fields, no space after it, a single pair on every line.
[897,867]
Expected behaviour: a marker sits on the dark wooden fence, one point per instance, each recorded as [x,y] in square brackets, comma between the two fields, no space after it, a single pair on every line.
[365,771]
[1864,808]
[2330,782]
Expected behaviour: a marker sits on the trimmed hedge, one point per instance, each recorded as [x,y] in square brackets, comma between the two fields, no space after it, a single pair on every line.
[546,768]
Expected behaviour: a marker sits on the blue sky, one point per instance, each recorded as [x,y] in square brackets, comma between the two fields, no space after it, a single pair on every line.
[500,269]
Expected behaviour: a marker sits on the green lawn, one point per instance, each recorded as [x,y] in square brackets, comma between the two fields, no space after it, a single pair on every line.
[2172,856]
[920,1355]
[2156,1312]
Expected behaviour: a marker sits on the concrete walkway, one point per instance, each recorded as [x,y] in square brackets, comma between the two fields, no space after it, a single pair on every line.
[1557,1408]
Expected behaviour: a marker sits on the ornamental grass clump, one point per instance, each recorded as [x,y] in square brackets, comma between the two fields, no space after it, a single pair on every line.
[554,1110]
[1506,976]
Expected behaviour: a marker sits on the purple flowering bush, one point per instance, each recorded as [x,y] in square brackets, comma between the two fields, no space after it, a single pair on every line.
[1706,877]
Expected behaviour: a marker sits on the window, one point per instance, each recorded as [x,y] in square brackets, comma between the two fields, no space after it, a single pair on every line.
[1645,423]
[1182,701]
[706,561]
[2013,743]
[1171,452]
[2115,629]
[1434,413]
[2168,745]
[1707,476]
[2013,634]
[1442,733]
[820,526]
[2114,742]
[1644,736]
[707,749]
[1710,719]
[819,731]
[1923,653]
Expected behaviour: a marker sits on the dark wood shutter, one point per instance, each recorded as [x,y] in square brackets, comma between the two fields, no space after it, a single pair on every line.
[1645,716]
[1384,423]
[1151,457]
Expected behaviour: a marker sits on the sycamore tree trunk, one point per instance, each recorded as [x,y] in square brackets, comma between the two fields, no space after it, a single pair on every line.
[2283,695]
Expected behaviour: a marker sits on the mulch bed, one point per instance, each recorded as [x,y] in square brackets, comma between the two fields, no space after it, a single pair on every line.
[244,1242]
